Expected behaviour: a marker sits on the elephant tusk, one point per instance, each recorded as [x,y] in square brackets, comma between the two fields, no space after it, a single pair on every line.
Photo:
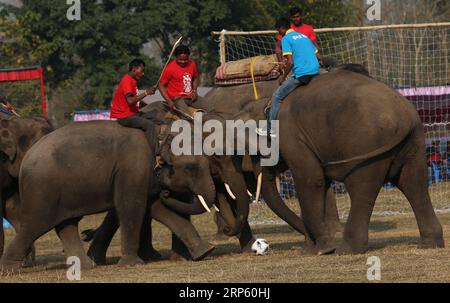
[203,203]
[230,192]
[217,209]
[249,193]
[258,188]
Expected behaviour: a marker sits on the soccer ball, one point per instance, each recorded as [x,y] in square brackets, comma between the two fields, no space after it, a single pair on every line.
[260,247]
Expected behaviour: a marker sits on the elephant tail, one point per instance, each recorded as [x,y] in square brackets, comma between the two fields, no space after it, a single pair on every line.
[396,140]
[88,234]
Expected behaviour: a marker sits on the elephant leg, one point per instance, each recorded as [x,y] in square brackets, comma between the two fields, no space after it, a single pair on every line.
[103,237]
[363,186]
[312,190]
[12,215]
[412,182]
[146,250]
[179,249]
[183,229]
[130,207]
[331,219]
[68,233]
[331,212]
[30,259]
[20,247]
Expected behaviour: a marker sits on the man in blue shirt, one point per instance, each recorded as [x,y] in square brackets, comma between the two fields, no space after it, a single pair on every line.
[300,56]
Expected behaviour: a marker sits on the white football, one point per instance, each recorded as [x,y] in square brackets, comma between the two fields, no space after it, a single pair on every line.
[260,247]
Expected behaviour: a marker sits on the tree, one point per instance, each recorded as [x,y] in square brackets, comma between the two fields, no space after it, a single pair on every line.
[89,56]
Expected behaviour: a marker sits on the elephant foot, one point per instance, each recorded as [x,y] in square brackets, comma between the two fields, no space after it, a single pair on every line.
[325,246]
[337,226]
[126,261]
[202,251]
[176,257]
[220,237]
[87,263]
[310,247]
[180,253]
[431,242]
[98,258]
[346,249]
[247,246]
[30,260]
[10,268]
[150,255]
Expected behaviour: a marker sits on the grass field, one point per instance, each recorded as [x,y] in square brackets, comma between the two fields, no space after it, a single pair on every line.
[392,238]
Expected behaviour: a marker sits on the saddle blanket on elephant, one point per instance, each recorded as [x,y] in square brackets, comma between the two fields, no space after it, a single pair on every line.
[177,114]
[259,68]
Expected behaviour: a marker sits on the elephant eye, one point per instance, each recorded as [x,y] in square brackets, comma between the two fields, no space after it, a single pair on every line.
[3,157]
[191,168]
[171,171]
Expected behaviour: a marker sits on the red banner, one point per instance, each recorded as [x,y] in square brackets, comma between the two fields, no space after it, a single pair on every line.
[19,75]
[25,74]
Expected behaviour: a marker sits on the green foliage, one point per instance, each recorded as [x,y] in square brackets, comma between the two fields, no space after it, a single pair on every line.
[91,55]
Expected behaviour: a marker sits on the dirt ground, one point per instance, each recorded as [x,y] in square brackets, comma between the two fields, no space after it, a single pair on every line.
[393,239]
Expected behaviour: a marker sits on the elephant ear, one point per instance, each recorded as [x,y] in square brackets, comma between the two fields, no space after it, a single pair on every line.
[165,152]
[7,143]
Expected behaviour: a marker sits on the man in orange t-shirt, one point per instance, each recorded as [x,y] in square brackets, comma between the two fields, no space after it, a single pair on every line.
[297,25]
[179,81]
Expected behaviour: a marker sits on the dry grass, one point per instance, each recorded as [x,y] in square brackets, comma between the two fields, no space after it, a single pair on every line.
[393,239]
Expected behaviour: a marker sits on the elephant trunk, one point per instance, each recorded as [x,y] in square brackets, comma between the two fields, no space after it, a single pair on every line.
[276,204]
[198,204]
[238,192]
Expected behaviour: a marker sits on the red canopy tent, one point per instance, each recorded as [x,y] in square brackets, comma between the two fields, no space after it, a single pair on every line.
[25,74]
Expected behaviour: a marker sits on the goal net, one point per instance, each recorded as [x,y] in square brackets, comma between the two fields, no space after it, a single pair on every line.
[414,59]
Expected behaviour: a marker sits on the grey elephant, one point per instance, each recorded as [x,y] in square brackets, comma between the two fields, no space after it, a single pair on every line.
[17,136]
[183,178]
[346,127]
[318,121]
[243,106]
[84,169]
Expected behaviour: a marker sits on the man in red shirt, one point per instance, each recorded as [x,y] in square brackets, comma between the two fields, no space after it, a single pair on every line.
[180,80]
[125,103]
[297,25]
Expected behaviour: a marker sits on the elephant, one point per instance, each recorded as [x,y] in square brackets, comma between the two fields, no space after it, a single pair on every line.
[18,134]
[349,93]
[83,169]
[346,127]
[182,178]
[243,106]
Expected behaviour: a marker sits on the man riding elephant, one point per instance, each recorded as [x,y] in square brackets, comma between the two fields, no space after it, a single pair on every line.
[125,107]
[180,80]
[300,56]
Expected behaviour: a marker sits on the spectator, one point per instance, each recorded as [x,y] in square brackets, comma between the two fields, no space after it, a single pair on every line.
[446,162]
[434,161]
